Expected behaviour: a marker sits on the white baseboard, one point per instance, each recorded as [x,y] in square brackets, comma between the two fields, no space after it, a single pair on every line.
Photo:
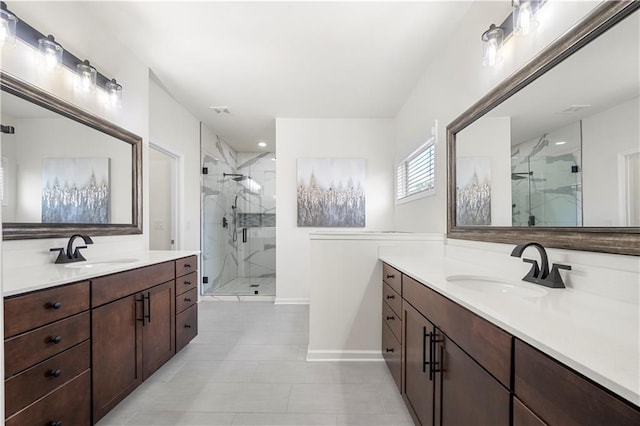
[344,355]
[249,298]
[290,301]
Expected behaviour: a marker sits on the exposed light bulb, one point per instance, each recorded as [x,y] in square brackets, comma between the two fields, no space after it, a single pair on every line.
[114,94]
[492,53]
[7,26]
[87,76]
[492,42]
[523,22]
[51,53]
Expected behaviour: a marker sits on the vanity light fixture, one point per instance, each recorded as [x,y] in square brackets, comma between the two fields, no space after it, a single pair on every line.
[8,23]
[53,54]
[523,22]
[114,93]
[519,22]
[491,44]
[87,75]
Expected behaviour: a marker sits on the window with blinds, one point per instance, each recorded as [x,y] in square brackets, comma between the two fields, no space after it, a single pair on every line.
[416,174]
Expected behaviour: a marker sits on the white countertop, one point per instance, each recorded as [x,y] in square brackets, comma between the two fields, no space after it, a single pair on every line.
[595,336]
[22,280]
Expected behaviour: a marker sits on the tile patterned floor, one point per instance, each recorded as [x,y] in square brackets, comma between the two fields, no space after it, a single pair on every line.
[247,367]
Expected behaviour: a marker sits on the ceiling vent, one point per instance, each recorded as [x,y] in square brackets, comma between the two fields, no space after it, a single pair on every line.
[221,109]
[574,108]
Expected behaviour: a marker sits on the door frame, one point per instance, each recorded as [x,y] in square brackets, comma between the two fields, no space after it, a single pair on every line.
[177,170]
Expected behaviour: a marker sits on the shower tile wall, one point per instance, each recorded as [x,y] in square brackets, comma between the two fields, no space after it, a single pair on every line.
[219,251]
[257,256]
[546,179]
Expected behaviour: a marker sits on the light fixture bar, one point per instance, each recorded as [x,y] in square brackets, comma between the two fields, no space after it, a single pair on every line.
[31,36]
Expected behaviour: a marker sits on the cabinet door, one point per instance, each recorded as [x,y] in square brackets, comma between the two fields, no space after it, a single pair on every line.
[116,352]
[470,395]
[418,384]
[158,331]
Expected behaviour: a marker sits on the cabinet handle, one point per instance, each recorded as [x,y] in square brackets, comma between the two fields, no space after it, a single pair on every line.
[148,297]
[389,350]
[432,350]
[424,351]
[187,265]
[390,276]
[187,299]
[55,423]
[187,283]
[144,316]
[55,339]
[390,318]
[390,296]
[54,305]
[187,326]
[54,373]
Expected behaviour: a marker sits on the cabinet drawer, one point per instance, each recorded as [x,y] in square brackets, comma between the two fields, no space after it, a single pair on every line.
[69,405]
[186,326]
[186,265]
[391,351]
[393,277]
[489,345]
[186,282]
[560,396]
[112,287]
[391,319]
[27,349]
[32,310]
[392,299]
[185,300]
[39,380]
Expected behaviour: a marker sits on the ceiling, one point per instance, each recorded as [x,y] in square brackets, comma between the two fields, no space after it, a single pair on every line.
[283,59]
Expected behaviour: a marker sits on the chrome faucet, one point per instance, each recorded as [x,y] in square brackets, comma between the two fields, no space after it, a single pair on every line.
[541,275]
[71,255]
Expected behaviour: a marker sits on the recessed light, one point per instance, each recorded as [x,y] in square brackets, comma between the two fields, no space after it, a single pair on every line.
[262,144]
[561,143]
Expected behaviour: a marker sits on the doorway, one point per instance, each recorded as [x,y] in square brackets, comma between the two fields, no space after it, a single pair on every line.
[163,188]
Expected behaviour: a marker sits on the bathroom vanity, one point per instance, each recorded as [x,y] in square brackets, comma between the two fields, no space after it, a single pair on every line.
[464,356]
[85,335]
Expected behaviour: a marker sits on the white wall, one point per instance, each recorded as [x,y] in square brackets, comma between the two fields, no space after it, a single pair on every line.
[81,33]
[606,137]
[371,139]
[174,129]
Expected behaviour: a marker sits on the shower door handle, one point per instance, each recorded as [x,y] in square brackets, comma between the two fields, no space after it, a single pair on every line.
[244,235]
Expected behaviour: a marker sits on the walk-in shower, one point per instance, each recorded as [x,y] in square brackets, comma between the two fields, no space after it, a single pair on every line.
[238,222]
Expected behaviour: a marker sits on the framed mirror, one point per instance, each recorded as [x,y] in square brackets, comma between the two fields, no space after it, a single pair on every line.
[552,154]
[65,170]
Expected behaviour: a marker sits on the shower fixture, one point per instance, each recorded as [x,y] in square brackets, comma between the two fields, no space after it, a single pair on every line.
[236,176]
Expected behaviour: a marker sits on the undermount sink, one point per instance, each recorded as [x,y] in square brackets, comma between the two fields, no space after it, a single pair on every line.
[490,285]
[93,264]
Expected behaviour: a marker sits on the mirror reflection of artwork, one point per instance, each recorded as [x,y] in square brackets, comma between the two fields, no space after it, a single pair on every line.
[331,192]
[473,191]
[75,190]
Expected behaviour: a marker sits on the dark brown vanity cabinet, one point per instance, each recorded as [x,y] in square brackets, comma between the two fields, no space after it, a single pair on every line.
[444,385]
[550,393]
[132,329]
[460,369]
[47,361]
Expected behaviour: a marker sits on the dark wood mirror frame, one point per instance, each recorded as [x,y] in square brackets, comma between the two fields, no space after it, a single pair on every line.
[22,231]
[608,240]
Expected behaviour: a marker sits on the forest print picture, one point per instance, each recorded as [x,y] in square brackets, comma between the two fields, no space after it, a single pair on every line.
[331,192]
